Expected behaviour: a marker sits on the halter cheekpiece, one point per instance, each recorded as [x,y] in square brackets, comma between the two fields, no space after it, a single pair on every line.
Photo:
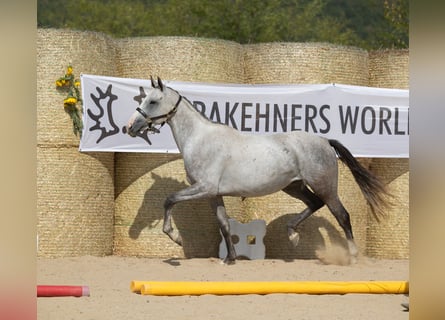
[167,115]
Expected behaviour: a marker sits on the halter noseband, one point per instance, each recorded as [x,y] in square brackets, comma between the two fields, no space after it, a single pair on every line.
[167,115]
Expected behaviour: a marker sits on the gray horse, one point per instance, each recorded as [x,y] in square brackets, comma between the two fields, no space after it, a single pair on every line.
[221,161]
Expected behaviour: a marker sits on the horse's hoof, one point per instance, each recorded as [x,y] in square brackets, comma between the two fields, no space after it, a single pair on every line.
[176,237]
[228,261]
[294,238]
[178,240]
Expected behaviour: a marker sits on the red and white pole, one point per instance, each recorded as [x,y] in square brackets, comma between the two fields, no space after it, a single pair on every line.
[62,291]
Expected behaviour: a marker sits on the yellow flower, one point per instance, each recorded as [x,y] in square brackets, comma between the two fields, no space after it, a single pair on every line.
[58,83]
[69,70]
[70,100]
[77,83]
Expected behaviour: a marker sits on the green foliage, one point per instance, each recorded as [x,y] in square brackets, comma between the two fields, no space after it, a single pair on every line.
[349,22]
[114,17]
[397,15]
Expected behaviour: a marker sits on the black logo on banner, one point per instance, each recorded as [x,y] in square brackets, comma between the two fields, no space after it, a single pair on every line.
[103,118]
[104,121]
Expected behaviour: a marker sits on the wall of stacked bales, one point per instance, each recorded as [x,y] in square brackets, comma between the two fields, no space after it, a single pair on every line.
[143,181]
[75,191]
[112,203]
[308,63]
[390,238]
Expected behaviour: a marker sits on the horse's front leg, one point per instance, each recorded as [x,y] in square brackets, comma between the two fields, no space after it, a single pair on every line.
[219,209]
[193,192]
[167,227]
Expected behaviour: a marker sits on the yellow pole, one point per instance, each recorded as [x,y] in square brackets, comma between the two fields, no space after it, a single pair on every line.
[177,288]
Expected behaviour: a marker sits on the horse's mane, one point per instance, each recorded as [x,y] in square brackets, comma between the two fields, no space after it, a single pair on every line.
[202,114]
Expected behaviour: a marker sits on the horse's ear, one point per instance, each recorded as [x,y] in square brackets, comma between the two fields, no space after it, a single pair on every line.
[153,84]
[161,85]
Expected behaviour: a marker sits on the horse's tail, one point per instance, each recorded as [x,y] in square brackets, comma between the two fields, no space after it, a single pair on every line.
[371,186]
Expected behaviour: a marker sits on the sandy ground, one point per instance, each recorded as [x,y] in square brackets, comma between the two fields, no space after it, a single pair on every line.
[109,281]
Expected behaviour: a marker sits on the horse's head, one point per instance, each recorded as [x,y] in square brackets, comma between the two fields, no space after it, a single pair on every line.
[157,108]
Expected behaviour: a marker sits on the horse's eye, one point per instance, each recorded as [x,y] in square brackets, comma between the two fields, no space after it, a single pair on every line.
[152,102]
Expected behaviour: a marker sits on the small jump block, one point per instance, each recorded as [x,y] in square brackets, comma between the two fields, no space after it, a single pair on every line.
[247,239]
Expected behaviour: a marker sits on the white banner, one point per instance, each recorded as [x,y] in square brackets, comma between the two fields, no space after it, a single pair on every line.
[371,122]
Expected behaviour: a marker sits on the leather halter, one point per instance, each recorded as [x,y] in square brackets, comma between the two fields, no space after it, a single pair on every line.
[167,115]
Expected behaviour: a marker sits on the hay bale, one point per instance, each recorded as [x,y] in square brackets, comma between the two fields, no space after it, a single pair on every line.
[87,52]
[143,181]
[138,212]
[389,69]
[181,58]
[320,231]
[389,239]
[74,202]
[308,63]
[75,199]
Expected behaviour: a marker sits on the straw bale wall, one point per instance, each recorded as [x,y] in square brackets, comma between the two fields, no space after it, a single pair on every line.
[182,59]
[390,238]
[75,204]
[172,58]
[87,52]
[127,190]
[389,69]
[309,63]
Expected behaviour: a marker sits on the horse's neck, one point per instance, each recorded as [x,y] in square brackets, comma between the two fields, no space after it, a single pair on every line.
[187,123]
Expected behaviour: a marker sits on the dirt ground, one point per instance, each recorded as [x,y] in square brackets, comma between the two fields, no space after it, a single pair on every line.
[109,280]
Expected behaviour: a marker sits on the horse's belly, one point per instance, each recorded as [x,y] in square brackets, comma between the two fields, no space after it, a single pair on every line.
[254,183]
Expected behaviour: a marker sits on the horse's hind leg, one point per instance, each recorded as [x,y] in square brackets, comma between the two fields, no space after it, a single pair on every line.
[300,191]
[326,189]
[219,209]
[343,219]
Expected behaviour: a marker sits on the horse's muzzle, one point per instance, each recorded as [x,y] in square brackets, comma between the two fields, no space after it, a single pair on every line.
[128,129]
